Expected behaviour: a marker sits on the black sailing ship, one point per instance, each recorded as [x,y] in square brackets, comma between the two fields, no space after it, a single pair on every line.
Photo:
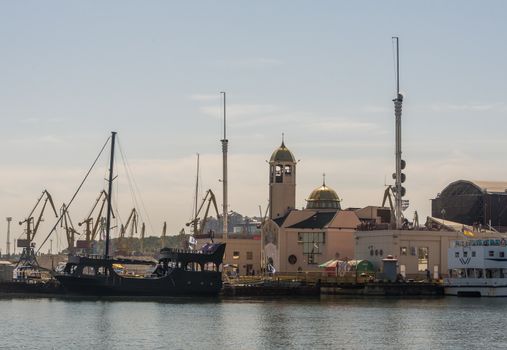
[178,272]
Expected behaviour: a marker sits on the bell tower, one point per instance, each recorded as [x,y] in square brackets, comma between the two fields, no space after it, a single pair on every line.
[282,182]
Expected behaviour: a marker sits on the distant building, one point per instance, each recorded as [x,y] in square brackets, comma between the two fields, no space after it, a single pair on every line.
[473,203]
[243,249]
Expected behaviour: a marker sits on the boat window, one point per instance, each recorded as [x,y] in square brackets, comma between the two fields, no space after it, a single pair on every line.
[88,270]
[473,254]
[456,255]
[491,253]
[502,254]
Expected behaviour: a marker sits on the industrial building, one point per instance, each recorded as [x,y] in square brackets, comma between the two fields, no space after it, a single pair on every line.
[475,203]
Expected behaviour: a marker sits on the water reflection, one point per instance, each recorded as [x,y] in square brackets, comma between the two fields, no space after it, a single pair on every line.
[361,323]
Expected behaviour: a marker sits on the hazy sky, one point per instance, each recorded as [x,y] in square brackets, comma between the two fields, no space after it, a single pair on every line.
[322,72]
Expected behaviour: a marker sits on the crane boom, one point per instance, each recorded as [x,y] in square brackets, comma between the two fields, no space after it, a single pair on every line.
[210,199]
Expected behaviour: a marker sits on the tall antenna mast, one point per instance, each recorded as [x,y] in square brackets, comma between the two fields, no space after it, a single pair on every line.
[224,176]
[399,190]
[109,192]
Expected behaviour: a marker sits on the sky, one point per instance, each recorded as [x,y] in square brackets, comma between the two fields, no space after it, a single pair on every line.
[321,72]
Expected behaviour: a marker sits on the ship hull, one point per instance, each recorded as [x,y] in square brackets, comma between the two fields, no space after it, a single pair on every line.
[476,290]
[178,283]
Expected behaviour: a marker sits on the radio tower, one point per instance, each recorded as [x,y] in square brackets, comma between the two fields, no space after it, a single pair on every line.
[399,177]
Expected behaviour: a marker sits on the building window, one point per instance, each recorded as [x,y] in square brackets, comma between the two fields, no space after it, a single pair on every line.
[249,255]
[491,253]
[292,259]
[278,174]
[403,250]
[473,254]
[456,255]
[288,170]
[465,254]
[235,255]
[422,258]
[312,245]
[412,251]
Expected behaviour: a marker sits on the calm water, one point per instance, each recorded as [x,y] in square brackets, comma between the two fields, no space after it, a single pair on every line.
[447,323]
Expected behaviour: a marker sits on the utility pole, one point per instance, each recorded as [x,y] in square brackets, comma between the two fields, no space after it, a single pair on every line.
[225,144]
[9,219]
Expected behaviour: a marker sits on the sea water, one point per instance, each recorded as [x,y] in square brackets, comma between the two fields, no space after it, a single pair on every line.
[181,323]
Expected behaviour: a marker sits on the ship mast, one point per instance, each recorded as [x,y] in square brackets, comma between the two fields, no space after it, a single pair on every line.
[399,190]
[195,219]
[224,176]
[109,192]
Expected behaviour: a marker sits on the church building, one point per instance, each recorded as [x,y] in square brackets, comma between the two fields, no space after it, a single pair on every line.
[299,240]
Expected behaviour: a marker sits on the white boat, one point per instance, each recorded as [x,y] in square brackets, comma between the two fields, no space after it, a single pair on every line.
[477,267]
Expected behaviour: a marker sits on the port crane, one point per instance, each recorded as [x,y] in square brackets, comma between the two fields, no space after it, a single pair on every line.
[198,224]
[388,198]
[133,228]
[132,224]
[70,231]
[28,254]
[92,223]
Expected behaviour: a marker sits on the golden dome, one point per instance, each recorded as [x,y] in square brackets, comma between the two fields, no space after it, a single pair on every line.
[323,197]
[282,154]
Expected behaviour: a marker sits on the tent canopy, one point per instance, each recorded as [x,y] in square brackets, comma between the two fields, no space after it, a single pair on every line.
[357,265]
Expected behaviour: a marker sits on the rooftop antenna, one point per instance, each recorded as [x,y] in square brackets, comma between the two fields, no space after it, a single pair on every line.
[224,170]
[399,190]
